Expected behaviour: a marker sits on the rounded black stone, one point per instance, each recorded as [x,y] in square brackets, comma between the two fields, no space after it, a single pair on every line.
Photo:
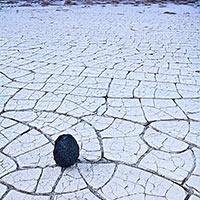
[66,150]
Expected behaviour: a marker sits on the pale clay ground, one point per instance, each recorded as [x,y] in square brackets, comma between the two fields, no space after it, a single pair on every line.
[124,81]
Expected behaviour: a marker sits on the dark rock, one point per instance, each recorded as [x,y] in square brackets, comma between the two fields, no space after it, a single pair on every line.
[170,13]
[68,2]
[66,150]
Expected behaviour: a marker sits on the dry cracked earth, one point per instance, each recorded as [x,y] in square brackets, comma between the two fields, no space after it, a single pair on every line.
[123,80]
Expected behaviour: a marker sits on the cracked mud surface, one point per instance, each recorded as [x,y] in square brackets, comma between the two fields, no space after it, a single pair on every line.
[124,81]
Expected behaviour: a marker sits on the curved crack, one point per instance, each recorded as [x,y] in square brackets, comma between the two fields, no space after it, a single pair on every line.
[91,189]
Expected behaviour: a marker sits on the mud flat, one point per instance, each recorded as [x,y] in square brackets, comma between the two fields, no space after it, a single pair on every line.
[123,80]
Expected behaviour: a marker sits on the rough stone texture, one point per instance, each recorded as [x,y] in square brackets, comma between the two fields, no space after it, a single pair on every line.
[123,80]
[66,150]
